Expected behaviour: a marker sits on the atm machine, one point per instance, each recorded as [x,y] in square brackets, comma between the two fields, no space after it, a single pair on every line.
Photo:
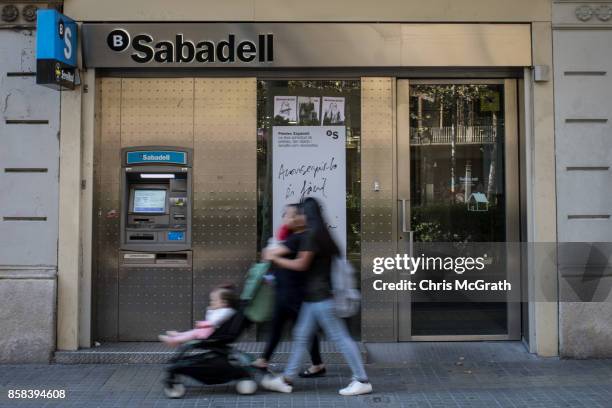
[155,263]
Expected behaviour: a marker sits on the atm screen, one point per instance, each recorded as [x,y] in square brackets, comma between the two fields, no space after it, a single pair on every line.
[149,201]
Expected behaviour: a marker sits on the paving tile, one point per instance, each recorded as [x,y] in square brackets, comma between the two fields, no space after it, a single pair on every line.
[431,380]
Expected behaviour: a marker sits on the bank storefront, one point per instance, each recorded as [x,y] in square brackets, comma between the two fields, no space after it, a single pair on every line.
[409,134]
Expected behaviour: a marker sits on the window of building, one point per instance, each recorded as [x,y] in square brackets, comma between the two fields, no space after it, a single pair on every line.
[299,121]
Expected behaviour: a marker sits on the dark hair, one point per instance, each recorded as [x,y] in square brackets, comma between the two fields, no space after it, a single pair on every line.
[291,205]
[228,294]
[316,223]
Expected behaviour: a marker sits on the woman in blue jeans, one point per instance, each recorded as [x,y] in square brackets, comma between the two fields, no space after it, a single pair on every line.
[314,259]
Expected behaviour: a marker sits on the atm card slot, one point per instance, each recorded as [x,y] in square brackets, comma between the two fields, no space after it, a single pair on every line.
[172,259]
[142,237]
[138,258]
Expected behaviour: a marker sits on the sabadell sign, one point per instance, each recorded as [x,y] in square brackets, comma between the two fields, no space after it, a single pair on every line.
[56,49]
[144,48]
[229,45]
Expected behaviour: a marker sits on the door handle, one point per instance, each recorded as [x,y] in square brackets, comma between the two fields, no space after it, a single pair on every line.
[405,226]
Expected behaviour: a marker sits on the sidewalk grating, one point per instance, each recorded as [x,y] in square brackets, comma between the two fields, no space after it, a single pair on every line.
[158,353]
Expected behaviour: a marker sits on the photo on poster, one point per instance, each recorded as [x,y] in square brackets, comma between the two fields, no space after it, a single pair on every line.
[309,109]
[333,111]
[285,109]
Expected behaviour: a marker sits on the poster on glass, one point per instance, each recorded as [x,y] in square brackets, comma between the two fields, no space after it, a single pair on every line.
[309,110]
[285,110]
[310,161]
[333,111]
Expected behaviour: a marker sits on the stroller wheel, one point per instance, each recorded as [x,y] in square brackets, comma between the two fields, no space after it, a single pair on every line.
[176,390]
[246,387]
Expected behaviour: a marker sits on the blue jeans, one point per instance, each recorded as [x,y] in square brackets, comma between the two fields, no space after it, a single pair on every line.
[313,314]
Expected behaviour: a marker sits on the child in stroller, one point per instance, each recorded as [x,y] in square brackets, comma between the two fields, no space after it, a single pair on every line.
[223,301]
[212,360]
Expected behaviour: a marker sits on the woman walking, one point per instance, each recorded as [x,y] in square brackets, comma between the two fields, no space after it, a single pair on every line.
[289,288]
[314,259]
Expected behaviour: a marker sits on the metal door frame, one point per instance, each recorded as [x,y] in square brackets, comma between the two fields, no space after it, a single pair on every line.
[511,176]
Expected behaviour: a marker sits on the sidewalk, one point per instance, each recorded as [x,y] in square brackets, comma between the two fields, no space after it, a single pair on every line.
[438,375]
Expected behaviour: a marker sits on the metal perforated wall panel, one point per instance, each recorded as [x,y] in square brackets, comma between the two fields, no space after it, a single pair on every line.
[225,185]
[152,301]
[157,112]
[106,201]
[216,118]
[377,207]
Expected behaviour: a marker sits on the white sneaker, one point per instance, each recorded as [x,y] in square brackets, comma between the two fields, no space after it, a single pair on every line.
[274,383]
[356,388]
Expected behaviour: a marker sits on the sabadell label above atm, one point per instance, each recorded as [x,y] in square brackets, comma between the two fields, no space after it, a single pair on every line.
[156,157]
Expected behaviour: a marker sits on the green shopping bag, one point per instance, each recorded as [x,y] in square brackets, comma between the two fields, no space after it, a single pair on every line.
[258,293]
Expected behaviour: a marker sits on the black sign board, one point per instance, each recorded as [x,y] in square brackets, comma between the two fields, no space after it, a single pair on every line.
[55,74]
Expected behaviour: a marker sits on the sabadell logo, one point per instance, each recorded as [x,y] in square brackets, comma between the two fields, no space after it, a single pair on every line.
[155,157]
[144,48]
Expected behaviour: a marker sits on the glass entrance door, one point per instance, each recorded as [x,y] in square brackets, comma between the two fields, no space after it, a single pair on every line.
[458,195]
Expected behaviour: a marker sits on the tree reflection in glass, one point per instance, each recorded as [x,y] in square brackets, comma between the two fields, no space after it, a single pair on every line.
[457,188]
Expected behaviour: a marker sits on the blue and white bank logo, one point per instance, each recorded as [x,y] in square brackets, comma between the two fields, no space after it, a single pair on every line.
[161,157]
[155,157]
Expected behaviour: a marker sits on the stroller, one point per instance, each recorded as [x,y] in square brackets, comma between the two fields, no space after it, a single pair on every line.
[213,360]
